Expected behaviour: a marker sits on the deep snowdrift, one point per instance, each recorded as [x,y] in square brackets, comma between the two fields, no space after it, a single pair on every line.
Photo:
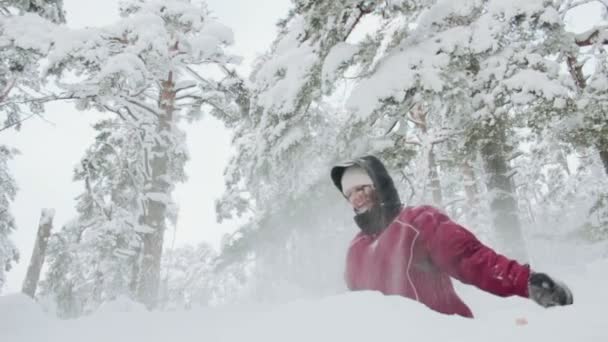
[364,316]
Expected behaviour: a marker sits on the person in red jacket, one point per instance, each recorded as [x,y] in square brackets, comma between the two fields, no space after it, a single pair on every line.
[415,251]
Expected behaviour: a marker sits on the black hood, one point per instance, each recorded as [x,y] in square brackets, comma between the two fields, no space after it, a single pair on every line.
[389,203]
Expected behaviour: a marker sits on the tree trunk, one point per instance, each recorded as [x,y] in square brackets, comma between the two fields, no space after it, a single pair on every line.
[158,191]
[604,158]
[435,182]
[503,203]
[38,254]
[470,184]
[470,189]
[420,119]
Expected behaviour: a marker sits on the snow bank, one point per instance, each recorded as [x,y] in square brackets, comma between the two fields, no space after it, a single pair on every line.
[361,316]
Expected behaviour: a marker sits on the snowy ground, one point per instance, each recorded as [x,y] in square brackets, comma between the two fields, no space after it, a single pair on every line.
[365,316]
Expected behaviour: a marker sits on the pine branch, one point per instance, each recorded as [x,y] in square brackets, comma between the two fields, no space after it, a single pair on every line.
[197,76]
[24,119]
[50,98]
[4,94]
[16,123]
[363,10]
[184,88]
[591,37]
[115,111]
[140,105]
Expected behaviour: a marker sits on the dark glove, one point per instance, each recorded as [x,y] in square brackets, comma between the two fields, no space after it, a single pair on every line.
[548,292]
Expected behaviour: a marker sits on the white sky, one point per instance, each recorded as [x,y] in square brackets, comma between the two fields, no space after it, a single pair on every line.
[50,149]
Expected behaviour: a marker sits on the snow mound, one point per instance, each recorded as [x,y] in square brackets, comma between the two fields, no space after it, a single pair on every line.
[362,316]
[354,316]
[22,319]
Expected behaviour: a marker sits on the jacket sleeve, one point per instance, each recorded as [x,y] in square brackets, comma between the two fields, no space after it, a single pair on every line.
[456,251]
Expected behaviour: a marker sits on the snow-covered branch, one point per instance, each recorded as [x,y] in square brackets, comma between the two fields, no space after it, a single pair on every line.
[12,124]
[7,90]
[571,5]
[139,104]
[45,99]
[364,8]
[595,35]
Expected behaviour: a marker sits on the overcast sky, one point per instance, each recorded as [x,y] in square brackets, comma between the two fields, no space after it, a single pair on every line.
[50,149]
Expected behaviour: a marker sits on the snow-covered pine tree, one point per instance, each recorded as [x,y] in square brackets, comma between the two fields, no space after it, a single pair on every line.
[479,67]
[24,38]
[20,87]
[103,241]
[585,125]
[163,62]
[284,150]
[589,129]
[476,71]
[568,138]
[286,111]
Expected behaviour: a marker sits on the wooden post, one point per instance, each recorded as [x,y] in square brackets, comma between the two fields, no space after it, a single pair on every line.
[33,271]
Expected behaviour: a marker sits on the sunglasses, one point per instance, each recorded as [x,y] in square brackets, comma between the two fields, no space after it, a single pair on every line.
[356,189]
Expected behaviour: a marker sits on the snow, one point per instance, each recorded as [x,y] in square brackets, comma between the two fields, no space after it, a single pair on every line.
[219,30]
[352,316]
[598,82]
[127,65]
[349,316]
[532,81]
[445,9]
[515,7]
[29,31]
[397,73]
[290,138]
[338,55]
[550,16]
[283,76]
[47,216]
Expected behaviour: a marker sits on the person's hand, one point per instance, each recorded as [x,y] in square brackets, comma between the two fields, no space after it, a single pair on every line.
[548,292]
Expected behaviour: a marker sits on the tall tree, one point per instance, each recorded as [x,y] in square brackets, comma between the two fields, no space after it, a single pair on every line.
[163,62]
[21,22]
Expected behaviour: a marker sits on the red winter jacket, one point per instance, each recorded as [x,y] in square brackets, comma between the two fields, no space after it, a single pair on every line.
[416,255]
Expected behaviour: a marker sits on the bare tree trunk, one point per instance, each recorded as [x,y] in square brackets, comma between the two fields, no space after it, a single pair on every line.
[604,158]
[38,254]
[435,182]
[134,281]
[158,190]
[503,204]
[562,159]
[470,184]
[471,190]
[419,117]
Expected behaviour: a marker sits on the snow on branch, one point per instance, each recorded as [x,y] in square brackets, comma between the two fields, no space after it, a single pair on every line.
[573,5]
[593,36]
